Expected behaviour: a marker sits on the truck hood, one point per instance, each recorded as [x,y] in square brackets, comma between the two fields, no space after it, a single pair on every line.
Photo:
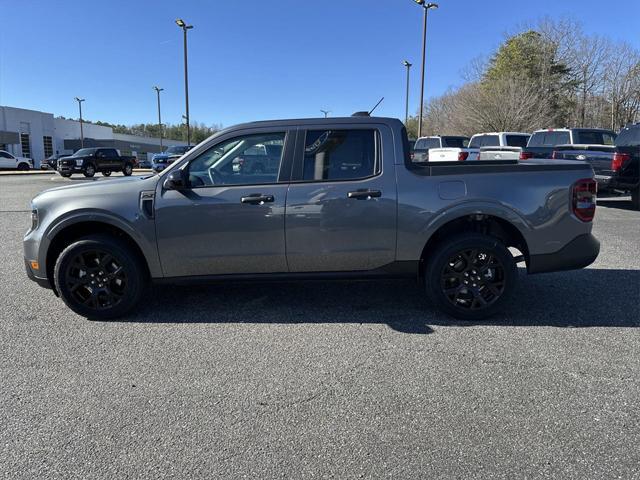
[105,188]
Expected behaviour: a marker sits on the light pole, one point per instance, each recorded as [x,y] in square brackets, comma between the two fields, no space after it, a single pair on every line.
[185,28]
[326,112]
[158,90]
[406,109]
[80,100]
[426,7]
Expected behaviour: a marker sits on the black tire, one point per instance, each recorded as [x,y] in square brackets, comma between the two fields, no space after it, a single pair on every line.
[106,173]
[635,198]
[89,170]
[127,170]
[23,167]
[117,283]
[470,276]
[65,175]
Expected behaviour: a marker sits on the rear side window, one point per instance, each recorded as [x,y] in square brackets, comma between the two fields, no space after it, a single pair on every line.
[427,143]
[455,142]
[340,155]
[485,141]
[629,137]
[549,139]
[594,138]
[517,140]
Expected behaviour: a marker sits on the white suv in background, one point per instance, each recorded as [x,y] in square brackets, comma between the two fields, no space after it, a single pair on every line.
[9,161]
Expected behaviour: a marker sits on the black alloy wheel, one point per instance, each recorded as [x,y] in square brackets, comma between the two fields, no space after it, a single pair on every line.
[470,276]
[127,170]
[89,170]
[473,279]
[99,277]
[106,173]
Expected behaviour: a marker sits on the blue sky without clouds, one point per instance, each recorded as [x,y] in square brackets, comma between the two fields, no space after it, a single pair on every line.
[260,59]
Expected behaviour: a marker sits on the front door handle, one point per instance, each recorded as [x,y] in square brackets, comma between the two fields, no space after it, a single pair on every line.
[257,199]
[364,194]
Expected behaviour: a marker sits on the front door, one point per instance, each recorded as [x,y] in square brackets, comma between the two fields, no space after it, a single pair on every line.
[341,205]
[7,160]
[231,218]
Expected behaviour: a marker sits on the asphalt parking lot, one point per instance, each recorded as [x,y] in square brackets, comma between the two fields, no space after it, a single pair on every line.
[342,380]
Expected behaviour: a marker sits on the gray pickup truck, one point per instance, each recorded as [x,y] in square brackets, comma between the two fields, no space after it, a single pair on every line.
[345,202]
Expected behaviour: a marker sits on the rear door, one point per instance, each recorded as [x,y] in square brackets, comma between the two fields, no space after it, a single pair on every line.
[112,160]
[341,204]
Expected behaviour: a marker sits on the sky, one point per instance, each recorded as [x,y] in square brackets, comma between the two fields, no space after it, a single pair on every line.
[259,59]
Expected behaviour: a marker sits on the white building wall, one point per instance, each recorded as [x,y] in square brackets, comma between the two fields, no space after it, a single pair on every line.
[35,124]
[70,130]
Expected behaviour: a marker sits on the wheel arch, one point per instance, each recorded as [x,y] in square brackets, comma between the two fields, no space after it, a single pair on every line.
[488,224]
[65,234]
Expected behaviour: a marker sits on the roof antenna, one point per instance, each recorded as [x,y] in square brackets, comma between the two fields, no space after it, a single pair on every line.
[367,114]
[376,106]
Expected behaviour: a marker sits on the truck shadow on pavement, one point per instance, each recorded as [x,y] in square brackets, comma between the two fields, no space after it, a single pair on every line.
[578,299]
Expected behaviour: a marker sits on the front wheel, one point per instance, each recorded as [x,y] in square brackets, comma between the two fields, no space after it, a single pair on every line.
[470,276]
[127,170]
[65,175]
[99,277]
[23,167]
[89,171]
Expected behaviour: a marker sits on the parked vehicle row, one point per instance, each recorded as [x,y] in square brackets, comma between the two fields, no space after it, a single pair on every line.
[614,158]
[342,199]
[482,146]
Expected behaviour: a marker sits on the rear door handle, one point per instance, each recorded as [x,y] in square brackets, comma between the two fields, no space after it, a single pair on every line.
[364,194]
[257,199]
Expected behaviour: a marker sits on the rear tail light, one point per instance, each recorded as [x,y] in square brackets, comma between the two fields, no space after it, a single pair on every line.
[526,155]
[584,199]
[462,156]
[618,160]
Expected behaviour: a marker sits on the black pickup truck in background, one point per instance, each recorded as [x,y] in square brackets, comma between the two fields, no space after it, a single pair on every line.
[88,161]
[543,142]
[616,167]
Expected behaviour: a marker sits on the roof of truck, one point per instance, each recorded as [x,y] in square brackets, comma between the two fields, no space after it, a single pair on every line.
[315,121]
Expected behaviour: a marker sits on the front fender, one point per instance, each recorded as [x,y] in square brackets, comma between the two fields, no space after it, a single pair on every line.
[142,233]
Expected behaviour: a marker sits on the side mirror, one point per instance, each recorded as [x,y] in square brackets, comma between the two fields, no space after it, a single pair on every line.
[176,180]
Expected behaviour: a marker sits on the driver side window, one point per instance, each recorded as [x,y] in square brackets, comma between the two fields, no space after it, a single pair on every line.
[246,160]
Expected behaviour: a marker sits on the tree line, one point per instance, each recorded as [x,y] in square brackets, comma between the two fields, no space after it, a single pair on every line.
[198,131]
[552,74]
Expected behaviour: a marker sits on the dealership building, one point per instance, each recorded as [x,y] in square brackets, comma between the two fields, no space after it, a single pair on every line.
[37,135]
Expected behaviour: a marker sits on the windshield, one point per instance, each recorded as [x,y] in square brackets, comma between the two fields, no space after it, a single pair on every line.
[84,151]
[177,150]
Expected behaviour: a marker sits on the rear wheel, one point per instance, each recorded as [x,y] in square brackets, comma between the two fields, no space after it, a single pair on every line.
[635,198]
[127,170]
[99,277]
[471,276]
[106,173]
[89,170]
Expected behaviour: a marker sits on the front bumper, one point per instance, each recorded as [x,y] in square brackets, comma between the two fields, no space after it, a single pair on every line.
[578,253]
[43,282]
